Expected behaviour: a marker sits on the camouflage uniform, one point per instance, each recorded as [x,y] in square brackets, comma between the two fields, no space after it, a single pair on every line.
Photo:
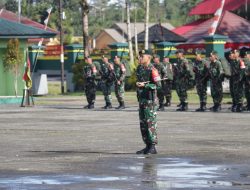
[182,76]
[90,84]
[163,74]
[107,79]
[247,83]
[236,84]
[215,74]
[167,85]
[120,74]
[201,79]
[147,104]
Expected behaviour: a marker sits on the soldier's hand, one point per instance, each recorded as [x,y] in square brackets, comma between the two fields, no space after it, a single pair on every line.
[119,82]
[140,84]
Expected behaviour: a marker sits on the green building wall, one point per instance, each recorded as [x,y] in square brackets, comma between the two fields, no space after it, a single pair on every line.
[6,78]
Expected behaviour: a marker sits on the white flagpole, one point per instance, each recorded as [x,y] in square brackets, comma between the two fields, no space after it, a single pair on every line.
[19,10]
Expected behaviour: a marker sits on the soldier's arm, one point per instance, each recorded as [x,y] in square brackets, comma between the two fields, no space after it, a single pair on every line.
[123,74]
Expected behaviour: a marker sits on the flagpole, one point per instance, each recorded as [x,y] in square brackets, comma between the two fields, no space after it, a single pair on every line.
[61,49]
[19,10]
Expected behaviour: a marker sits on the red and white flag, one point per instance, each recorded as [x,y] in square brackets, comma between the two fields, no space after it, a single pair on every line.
[216,19]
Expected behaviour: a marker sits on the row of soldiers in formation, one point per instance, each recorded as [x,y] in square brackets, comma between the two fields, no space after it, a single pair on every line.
[202,71]
[179,74]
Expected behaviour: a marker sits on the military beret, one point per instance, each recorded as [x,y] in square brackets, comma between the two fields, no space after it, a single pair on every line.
[144,51]
[214,53]
[179,51]
[156,56]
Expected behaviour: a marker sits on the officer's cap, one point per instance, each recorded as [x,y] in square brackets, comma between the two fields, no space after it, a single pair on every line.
[179,51]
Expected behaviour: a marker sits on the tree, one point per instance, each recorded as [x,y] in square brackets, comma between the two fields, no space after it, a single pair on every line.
[131,55]
[146,23]
[11,5]
[13,59]
[85,26]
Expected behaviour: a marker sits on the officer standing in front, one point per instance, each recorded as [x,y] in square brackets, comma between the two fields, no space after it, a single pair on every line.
[163,74]
[148,83]
[107,78]
[90,71]
[215,74]
[201,80]
[120,74]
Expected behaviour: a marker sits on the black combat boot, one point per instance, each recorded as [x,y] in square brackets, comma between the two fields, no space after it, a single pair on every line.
[108,106]
[181,107]
[248,107]
[86,107]
[121,106]
[239,107]
[91,106]
[168,102]
[144,150]
[233,108]
[151,149]
[202,107]
[161,107]
[217,107]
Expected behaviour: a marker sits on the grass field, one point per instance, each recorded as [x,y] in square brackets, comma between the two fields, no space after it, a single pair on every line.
[55,90]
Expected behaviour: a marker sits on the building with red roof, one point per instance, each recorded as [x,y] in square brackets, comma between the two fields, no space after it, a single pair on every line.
[231,25]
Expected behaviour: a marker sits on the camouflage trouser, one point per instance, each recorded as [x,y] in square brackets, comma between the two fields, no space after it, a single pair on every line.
[216,91]
[148,123]
[167,89]
[181,89]
[160,95]
[90,91]
[201,87]
[236,89]
[106,90]
[247,90]
[119,92]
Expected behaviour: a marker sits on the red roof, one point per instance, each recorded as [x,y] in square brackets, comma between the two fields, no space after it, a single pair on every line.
[8,15]
[187,27]
[231,25]
[210,6]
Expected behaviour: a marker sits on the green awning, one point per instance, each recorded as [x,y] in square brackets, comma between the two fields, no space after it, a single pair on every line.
[9,29]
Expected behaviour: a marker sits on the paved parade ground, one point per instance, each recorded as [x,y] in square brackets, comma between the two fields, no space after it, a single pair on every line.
[57,145]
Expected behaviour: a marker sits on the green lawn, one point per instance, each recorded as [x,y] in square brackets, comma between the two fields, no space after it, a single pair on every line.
[55,90]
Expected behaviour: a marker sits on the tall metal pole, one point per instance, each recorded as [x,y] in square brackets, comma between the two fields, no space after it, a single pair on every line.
[19,10]
[61,44]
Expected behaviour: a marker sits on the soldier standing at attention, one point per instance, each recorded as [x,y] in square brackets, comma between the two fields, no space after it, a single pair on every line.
[90,71]
[120,74]
[149,80]
[215,74]
[168,84]
[182,75]
[201,79]
[107,78]
[163,74]
[237,67]
[247,79]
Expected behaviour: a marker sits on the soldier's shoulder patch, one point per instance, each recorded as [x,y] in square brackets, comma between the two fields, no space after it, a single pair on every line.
[155,75]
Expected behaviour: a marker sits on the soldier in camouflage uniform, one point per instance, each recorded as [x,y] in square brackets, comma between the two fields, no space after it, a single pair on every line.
[107,78]
[120,74]
[163,74]
[168,84]
[215,74]
[90,71]
[182,75]
[201,79]
[247,79]
[237,67]
[148,82]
